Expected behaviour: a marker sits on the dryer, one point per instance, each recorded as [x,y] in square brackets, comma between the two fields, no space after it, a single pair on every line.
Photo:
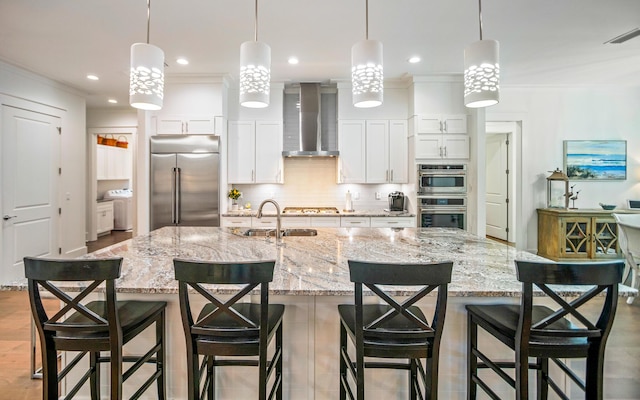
[122,208]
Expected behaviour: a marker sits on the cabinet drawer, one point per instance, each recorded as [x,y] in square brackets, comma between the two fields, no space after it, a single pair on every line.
[244,222]
[390,222]
[362,222]
[296,222]
[325,222]
[264,222]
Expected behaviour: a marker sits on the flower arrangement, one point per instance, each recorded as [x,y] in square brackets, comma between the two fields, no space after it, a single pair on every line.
[234,194]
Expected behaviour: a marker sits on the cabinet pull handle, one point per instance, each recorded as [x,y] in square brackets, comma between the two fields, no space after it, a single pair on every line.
[386,177]
[440,148]
[186,127]
[445,151]
[253,176]
[446,128]
[391,180]
[441,126]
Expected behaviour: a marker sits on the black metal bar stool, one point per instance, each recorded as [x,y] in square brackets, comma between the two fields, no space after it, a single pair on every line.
[547,333]
[393,330]
[92,327]
[230,328]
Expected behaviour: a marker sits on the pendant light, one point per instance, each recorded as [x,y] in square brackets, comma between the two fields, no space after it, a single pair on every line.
[366,70]
[255,71]
[481,71]
[146,86]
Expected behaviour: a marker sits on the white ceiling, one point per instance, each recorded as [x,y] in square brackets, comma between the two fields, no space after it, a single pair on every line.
[548,42]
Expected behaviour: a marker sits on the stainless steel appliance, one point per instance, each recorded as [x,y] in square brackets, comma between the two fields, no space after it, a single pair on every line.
[184,182]
[442,179]
[442,212]
[396,201]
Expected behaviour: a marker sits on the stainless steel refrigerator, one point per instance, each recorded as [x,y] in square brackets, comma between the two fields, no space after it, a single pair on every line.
[184,182]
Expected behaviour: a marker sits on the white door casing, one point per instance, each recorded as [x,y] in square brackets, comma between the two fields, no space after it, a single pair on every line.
[497,186]
[30,186]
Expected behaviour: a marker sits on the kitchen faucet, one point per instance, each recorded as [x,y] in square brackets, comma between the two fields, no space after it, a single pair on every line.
[278,231]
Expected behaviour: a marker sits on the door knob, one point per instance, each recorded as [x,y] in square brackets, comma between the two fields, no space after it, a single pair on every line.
[8,217]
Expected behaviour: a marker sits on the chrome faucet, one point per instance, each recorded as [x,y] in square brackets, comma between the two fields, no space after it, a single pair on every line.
[278,231]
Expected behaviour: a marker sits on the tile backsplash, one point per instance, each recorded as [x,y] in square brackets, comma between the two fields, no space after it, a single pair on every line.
[311,182]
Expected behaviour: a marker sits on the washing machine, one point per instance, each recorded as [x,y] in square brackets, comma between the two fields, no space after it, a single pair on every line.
[122,208]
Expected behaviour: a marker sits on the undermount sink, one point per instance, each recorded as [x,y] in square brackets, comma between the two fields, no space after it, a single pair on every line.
[285,232]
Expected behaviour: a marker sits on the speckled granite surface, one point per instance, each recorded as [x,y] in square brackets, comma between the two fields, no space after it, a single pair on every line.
[357,213]
[318,265]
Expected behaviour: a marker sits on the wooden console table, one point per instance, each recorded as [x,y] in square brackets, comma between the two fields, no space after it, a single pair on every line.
[578,234]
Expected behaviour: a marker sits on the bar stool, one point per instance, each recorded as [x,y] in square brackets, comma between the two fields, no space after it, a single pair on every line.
[546,333]
[92,327]
[229,328]
[393,330]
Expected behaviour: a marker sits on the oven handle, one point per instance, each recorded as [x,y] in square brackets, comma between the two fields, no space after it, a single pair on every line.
[443,209]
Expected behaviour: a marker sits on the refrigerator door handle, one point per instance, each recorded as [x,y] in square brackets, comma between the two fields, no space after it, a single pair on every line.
[178,195]
[173,195]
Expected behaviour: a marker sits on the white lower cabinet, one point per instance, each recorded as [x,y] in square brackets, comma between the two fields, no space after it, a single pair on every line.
[296,222]
[361,222]
[239,222]
[105,217]
[393,222]
[325,222]
[264,222]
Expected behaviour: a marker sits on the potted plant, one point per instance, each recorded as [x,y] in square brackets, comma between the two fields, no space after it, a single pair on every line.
[234,195]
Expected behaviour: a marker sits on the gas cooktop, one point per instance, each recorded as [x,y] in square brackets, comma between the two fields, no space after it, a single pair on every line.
[310,210]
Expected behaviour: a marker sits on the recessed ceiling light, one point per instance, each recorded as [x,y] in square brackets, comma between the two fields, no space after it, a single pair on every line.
[113,101]
[414,59]
[182,61]
[293,60]
[92,77]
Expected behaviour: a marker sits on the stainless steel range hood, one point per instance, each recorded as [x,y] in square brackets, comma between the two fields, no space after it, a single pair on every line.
[310,126]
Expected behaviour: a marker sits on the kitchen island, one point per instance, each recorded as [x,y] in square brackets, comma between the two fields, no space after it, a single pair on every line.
[311,279]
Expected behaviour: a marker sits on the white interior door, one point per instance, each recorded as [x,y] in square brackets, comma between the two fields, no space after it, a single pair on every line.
[30,181]
[497,186]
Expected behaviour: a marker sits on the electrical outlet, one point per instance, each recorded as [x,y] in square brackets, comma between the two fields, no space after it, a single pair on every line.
[356,196]
[272,195]
[378,196]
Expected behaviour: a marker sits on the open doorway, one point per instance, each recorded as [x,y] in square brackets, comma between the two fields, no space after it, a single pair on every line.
[501,199]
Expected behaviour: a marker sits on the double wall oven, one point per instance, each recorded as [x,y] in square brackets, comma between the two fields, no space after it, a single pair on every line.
[442,195]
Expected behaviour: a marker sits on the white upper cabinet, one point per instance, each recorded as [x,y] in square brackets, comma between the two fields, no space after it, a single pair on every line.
[184,124]
[113,163]
[351,144]
[386,151]
[442,123]
[441,136]
[254,153]
[373,151]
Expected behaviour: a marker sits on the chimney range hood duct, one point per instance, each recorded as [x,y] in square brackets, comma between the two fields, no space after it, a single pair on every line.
[310,128]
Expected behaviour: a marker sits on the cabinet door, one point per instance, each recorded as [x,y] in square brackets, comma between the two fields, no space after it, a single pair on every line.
[351,144]
[268,150]
[429,124]
[576,235]
[199,125]
[454,123]
[169,125]
[377,151]
[241,152]
[429,146]
[605,238]
[105,217]
[101,162]
[455,146]
[398,152]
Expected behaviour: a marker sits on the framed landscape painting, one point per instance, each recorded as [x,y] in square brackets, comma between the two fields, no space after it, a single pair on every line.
[595,159]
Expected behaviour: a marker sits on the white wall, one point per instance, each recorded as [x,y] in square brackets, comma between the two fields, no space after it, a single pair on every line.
[552,115]
[71,105]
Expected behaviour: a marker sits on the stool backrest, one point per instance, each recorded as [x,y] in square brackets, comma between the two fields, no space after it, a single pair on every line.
[44,273]
[250,274]
[429,276]
[628,220]
[603,276]
[630,246]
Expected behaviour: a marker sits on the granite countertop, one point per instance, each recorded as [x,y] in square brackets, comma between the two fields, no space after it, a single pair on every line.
[318,265]
[341,213]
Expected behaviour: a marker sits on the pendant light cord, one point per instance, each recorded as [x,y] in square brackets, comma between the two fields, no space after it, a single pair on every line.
[256,24]
[480,16]
[366,24]
[148,18]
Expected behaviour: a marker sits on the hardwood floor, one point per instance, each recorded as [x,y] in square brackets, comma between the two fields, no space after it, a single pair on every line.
[622,360]
[108,240]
